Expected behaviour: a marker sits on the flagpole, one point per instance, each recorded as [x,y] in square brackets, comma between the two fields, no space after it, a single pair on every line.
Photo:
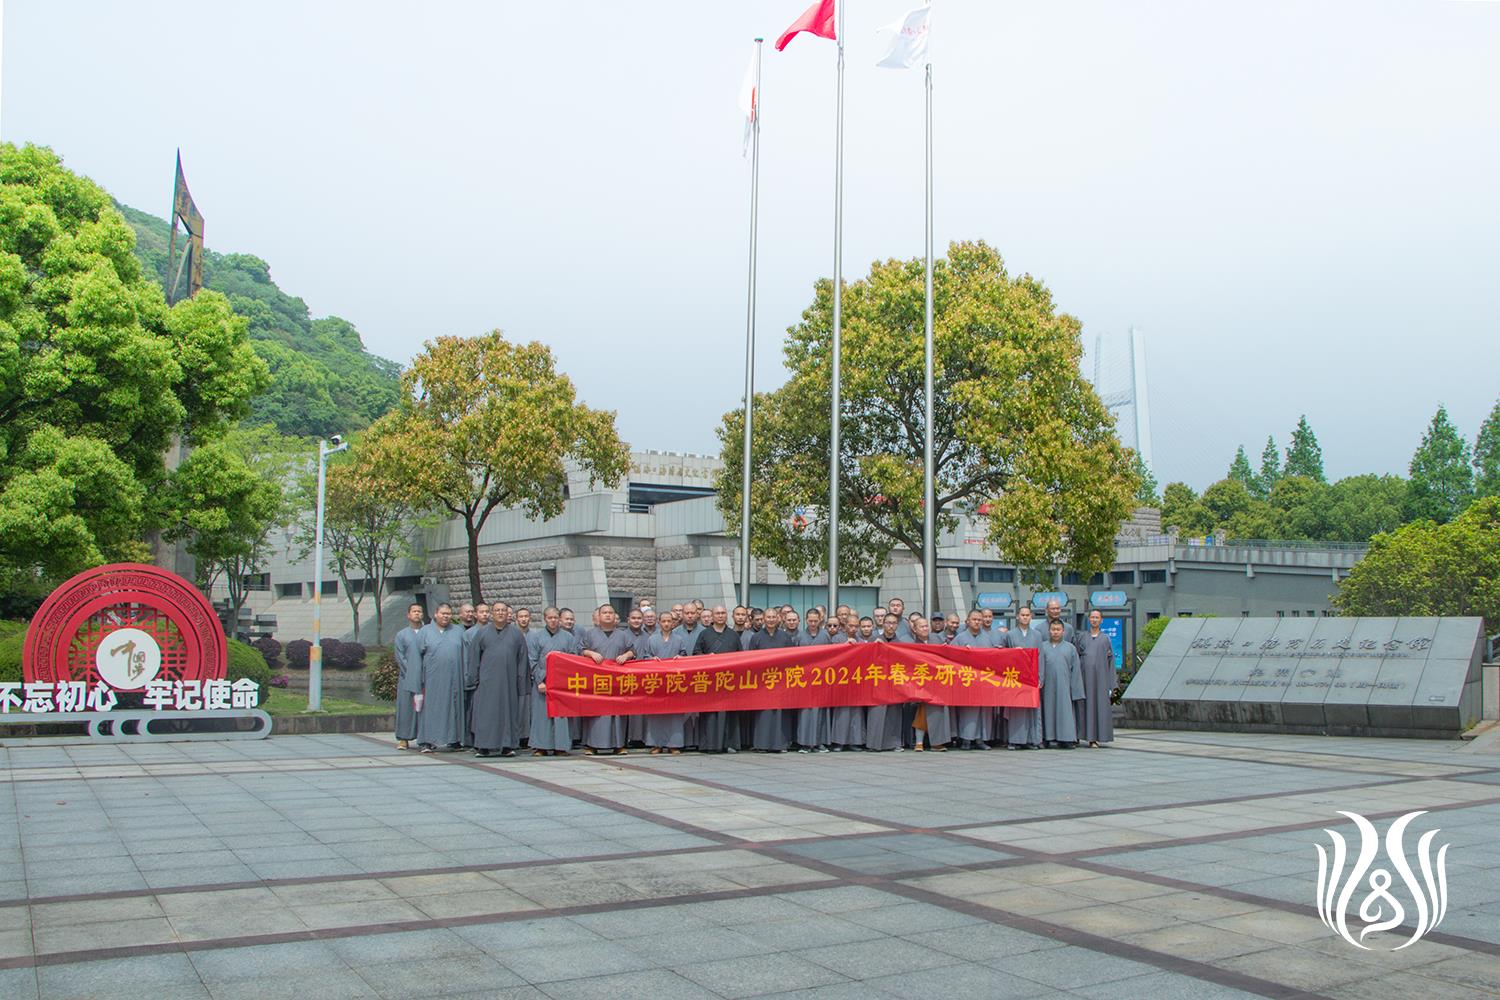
[745,564]
[929,491]
[838,328]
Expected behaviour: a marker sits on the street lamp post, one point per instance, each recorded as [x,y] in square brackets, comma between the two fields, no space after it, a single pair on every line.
[315,654]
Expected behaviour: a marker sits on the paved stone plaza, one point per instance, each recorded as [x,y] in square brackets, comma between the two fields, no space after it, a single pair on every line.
[1171,865]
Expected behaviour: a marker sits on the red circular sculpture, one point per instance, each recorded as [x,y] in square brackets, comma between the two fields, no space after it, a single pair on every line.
[171,631]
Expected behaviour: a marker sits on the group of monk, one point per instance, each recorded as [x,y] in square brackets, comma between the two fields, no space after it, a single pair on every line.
[477,681]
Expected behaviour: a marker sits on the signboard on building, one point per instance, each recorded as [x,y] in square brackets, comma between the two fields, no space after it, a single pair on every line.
[1105,600]
[1340,676]
[994,600]
[1040,598]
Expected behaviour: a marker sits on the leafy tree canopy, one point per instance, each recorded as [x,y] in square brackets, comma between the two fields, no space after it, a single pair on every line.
[1303,456]
[1426,568]
[1016,425]
[1487,456]
[1270,468]
[1442,479]
[1240,471]
[485,424]
[97,375]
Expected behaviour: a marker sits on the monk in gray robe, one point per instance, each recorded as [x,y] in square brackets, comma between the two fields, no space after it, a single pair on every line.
[408,676]
[1023,726]
[719,732]
[883,729]
[691,622]
[521,619]
[1062,684]
[1054,614]
[933,721]
[640,635]
[769,734]
[811,724]
[504,670]
[897,607]
[549,735]
[664,733]
[757,626]
[976,726]
[846,723]
[474,617]
[441,643]
[606,642]
[1096,659]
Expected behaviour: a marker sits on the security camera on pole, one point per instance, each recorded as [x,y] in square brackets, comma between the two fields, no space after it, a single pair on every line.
[315,654]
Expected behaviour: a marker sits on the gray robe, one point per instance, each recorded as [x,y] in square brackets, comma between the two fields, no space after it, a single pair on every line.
[606,732]
[718,731]
[748,636]
[534,637]
[846,723]
[1024,725]
[883,723]
[1062,683]
[771,724]
[812,724]
[471,678]
[548,733]
[635,725]
[974,724]
[504,669]
[939,717]
[666,730]
[1096,660]
[408,682]
[442,721]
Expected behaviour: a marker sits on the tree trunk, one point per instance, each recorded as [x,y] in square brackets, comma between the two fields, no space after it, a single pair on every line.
[472,530]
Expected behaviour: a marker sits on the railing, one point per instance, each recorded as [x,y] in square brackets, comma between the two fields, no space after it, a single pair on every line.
[1272,543]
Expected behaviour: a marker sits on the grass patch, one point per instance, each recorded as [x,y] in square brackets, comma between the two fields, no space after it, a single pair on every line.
[285,702]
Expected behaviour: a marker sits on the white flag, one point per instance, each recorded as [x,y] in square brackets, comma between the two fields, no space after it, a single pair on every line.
[749,101]
[908,43]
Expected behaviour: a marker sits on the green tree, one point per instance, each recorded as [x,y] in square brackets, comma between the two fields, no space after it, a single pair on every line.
[1303,456]
[97,375]
[1181,509]
[485,424]
[1240,471]
[1270,469]
[1358,508]
[1487,456]
[1015,425]
[1299,505]
[226,499]
[1442,479]
[1426,568]
[1146,494]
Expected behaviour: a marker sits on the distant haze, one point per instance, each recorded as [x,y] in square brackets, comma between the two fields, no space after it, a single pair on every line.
[1295,201]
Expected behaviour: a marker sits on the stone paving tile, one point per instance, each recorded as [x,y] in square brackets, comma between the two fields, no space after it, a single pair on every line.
[658,984]
[758,975]
[437,976]
[574,960]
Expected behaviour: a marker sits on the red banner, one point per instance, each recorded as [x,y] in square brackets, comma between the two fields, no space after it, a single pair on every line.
[874,673]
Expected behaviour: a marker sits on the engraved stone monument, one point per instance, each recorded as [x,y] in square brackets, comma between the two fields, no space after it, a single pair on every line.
[1334,676]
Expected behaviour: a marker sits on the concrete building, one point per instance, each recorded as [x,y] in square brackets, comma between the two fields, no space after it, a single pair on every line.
[659,537]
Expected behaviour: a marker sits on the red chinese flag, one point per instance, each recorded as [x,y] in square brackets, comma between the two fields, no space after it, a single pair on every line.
[817,19]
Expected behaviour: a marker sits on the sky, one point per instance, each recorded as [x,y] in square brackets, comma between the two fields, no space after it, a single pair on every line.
[1295,202]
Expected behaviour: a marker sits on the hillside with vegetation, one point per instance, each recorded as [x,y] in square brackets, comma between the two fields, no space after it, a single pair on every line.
[323,381]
